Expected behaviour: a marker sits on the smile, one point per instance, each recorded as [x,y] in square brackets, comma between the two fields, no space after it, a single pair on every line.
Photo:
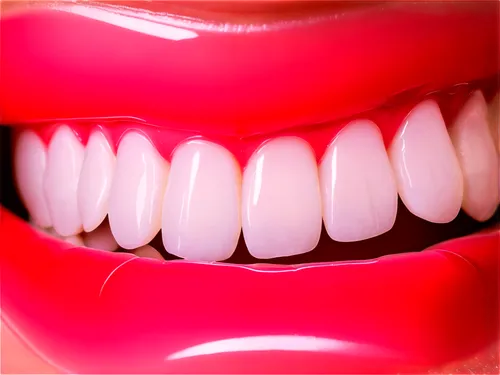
[207,190]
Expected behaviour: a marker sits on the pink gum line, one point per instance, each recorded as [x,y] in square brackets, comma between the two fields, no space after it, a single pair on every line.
[388,118]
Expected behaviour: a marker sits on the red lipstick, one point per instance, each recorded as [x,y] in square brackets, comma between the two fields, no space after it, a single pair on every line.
[118,68]
[403,313]
[106,61]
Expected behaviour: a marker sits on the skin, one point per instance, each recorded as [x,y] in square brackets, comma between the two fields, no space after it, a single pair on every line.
[15,357]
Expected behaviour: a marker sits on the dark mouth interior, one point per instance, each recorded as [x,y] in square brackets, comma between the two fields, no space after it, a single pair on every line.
[409,233]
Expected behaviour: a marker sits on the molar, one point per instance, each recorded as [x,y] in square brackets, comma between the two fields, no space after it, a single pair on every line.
[358,189]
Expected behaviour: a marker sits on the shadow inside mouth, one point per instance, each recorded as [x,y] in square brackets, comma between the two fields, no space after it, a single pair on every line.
[409,234]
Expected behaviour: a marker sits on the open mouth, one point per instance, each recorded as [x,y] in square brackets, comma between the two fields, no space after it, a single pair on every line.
[315,192]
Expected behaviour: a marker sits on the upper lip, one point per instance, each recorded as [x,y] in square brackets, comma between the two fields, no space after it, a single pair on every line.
[401,313]
[237,84]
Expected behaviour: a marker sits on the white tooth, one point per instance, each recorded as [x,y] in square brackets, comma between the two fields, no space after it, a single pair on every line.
[64,162]
[147,251]
[359,192]
[281,205]
[95,181]
[136,192]
[477,156]
[425,165]
[101,238]
[201,208]
[74,240]
[30,160]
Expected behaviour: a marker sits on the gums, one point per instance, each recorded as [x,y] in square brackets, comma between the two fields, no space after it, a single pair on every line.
[388,117]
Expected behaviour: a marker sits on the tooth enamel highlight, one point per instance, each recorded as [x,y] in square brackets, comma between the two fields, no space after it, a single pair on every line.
[281,207]
[136,192]
[426,168]
[358,189]
[478,159]
[95,181]
[30,161]
[64,162]
[201,208]
[101,238]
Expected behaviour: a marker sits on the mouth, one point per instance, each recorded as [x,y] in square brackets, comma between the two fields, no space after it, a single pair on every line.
[313,189]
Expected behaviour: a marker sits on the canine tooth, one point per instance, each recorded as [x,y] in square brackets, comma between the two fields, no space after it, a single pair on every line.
[478,159]
[95,181]
[136,192]
[358,189]
[30,161]
[201,207]
[64,162]
[101,238]
[426,168]
[147,251]
[281,205]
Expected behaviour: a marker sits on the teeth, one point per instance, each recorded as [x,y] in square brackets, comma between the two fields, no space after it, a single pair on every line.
[74,240]
[281,207]
[64,162]
[136,192]
[29,165]
[358,188]
[203,202]
[427,171]
[95,181]
[201,208]
[147,252]
[478,158]
[101,238]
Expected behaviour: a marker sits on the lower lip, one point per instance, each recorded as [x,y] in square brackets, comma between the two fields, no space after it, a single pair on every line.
[404,313]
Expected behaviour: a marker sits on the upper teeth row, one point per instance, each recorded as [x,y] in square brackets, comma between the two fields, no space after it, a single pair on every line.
[202,200]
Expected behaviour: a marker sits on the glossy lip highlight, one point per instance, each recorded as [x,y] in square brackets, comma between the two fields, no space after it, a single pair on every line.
[403,326]
[208,84]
